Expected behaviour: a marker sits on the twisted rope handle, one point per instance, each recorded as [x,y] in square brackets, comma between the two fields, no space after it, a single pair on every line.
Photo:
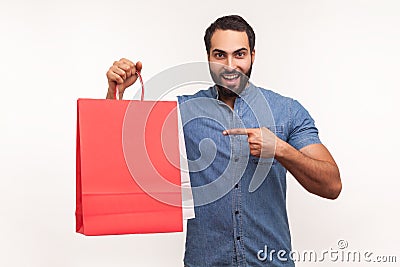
[141,82]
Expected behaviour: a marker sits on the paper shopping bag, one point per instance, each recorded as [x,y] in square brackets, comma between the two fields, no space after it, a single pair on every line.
[127,167]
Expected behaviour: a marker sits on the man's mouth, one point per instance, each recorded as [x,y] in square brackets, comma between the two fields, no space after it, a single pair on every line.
[230,77]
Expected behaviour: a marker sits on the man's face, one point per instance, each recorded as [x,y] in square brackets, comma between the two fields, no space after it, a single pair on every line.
[230,61]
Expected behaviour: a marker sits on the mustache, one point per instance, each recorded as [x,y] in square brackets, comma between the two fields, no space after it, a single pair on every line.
[231,73]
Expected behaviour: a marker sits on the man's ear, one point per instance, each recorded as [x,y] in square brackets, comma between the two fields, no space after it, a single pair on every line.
[253,56]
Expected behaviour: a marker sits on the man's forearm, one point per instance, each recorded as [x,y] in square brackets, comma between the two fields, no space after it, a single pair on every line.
[320,177]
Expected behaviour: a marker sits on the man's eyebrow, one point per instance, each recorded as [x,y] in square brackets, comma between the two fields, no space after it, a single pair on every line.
[219,51]
[234,52]
[240,50]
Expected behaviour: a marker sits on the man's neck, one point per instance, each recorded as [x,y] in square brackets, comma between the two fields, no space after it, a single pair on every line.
[229,100]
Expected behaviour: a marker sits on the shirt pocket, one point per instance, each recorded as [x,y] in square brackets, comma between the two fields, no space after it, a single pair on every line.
[278,130]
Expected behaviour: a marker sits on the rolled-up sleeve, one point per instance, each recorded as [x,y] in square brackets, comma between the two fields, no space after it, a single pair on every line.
[302,130]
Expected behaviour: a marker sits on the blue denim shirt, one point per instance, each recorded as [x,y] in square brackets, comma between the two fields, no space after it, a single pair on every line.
[240,200]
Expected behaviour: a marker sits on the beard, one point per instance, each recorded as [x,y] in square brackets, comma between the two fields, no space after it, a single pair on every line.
[231,91]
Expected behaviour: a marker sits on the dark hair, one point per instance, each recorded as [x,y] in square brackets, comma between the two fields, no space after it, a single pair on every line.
[231,22]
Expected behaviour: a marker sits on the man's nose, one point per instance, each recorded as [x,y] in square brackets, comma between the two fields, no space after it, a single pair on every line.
[230,63]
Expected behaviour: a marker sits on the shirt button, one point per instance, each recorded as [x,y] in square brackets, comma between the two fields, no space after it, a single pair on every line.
[238,238]
[236,159]
[237,212]
[236,185]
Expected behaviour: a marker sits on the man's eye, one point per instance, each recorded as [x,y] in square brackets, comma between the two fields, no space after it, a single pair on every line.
[240,54]
[219,55]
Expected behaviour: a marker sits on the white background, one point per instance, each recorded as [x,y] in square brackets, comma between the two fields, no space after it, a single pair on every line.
[340,59]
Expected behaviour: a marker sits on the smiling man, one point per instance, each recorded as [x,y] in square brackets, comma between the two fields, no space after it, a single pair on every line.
[256,137]
[230,64]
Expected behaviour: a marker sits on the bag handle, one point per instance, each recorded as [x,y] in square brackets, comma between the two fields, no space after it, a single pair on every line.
[141,82]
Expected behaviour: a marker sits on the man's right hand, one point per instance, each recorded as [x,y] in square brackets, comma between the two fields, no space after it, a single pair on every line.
[123,74]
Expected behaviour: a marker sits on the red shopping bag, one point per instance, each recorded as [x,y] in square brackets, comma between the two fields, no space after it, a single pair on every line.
[127,167]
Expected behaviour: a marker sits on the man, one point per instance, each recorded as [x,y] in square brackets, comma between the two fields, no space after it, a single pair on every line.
[257,135]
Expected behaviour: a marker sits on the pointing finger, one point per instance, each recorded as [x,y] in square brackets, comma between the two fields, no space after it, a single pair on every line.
[237,131]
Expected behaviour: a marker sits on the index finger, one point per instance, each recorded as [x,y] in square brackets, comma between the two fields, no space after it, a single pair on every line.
[237,131]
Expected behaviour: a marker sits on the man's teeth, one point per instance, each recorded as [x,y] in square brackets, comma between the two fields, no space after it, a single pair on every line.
[230,76]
